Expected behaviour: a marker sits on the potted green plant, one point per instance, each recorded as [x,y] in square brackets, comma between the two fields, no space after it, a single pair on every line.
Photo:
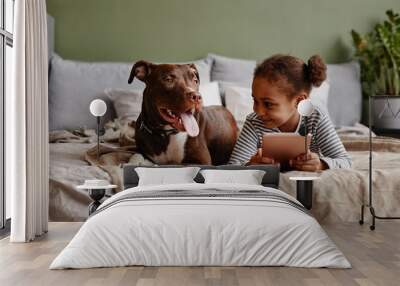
[378,53]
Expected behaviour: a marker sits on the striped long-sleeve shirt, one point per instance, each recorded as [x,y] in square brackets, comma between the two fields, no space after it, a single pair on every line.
[324,140]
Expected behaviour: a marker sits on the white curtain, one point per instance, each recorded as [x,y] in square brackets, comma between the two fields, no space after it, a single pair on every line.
[27,124]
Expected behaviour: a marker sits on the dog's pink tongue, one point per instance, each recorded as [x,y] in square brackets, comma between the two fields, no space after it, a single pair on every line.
[190,124]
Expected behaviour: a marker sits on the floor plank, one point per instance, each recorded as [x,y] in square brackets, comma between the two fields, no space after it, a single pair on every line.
[375,257]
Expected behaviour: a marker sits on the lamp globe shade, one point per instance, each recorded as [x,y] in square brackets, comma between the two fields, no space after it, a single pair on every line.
[305,107]
[98,107]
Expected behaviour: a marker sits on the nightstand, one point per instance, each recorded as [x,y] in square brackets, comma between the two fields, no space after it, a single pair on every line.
[304,190]
[97,190]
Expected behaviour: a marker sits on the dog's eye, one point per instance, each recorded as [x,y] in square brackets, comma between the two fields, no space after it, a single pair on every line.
[195,78]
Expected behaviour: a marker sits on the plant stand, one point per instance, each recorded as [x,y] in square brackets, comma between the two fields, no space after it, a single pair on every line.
[370,201]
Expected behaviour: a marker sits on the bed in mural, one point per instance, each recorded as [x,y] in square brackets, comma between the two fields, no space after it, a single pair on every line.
[224,81]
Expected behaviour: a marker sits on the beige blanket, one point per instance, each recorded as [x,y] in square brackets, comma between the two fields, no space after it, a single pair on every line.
[337,195]
[73,159]
[116,148]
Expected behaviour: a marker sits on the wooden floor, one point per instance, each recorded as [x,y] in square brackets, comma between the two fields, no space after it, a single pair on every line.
[375,257]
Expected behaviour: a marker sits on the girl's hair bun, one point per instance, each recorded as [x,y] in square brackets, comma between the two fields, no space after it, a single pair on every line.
[316,70]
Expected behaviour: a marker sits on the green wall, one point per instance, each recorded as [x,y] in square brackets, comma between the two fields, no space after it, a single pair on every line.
[177,30]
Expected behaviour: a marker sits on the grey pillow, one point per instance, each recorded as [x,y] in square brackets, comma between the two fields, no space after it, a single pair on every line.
[345,96]
[232,70]
[74,84]
[50,36]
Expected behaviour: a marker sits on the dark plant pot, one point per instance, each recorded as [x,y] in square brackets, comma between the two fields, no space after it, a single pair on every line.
[386,112]
[364,112]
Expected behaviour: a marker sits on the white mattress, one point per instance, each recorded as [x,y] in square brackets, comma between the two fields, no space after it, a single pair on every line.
[188,231]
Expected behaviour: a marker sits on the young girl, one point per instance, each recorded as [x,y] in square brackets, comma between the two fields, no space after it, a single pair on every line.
[279,84]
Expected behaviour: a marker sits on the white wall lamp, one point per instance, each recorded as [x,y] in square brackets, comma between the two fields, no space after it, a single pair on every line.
[305,108]
[98,108]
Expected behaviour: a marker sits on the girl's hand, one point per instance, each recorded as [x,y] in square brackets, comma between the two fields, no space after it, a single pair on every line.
[308,162]
[259,159]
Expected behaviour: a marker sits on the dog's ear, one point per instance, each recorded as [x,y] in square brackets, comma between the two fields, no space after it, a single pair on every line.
[141,70]
[193,67]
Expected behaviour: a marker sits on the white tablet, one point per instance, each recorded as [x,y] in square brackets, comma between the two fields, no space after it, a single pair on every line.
[284,146]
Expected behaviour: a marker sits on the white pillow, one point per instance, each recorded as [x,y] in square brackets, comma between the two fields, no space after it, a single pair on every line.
[319,96]
[210,93]
[240,102]
[248,177]
[163,176]
[232,69]
[127,103]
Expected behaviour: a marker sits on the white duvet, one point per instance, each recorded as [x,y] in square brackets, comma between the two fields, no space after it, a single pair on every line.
[188,231]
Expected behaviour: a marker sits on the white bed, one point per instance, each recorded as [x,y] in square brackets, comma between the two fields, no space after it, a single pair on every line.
[138,227]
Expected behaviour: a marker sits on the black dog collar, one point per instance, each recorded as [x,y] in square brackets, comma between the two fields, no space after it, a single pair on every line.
[158,131]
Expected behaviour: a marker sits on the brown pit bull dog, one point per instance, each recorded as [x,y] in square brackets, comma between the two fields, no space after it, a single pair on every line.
[172,127]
